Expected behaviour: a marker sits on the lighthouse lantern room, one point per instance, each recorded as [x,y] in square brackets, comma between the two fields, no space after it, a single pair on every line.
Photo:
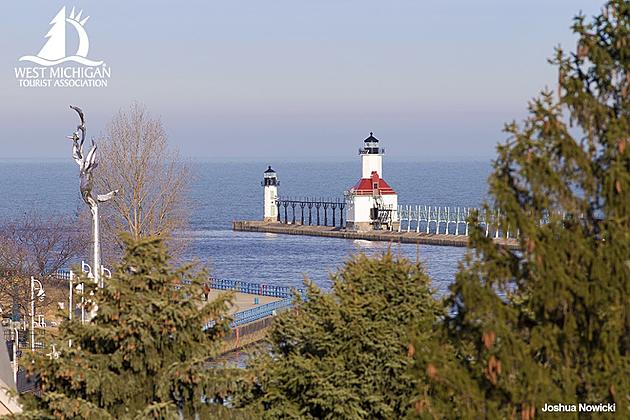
[372,203]
[270,195]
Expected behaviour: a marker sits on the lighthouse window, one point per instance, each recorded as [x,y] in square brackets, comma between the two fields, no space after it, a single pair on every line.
[375,185]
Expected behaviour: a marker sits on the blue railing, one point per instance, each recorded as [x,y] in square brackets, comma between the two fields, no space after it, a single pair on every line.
[254,314]
[62,274]
[270,290]
[255,288]
[259,312]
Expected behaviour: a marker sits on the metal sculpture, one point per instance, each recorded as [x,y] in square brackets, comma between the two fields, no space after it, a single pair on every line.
[87,164]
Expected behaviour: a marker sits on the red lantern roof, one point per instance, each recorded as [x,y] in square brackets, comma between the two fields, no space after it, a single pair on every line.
[374,185]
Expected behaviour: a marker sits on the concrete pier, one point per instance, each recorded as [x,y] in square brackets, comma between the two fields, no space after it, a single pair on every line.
[384,236]
[246,334]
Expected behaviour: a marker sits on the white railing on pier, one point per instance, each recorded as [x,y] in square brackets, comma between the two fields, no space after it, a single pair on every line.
[446,221]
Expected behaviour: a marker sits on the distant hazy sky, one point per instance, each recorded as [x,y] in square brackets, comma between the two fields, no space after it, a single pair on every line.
[294,79]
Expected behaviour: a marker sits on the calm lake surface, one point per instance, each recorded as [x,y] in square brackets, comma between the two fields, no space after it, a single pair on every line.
[227,191]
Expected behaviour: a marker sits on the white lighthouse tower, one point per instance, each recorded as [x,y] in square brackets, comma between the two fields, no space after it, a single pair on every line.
[270,195]
[372,203]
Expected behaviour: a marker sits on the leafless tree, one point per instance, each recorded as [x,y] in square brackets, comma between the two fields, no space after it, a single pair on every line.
[37,246]
[137,160]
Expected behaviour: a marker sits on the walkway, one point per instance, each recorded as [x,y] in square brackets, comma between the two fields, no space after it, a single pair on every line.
[377,235]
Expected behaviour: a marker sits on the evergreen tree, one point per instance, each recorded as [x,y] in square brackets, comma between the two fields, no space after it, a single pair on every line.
[145,353]
[550,323]
[346,354]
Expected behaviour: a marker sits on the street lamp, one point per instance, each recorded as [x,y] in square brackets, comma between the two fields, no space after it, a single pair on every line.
[71,307]
[79,288]
[70,303]
[16,343]
[102,273]
[37,290]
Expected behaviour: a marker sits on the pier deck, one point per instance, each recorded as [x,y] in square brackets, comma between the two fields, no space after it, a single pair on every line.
[251,320]
[384,236]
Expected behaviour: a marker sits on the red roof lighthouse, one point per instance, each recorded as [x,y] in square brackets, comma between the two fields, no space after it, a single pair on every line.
[374,185]
[372,203]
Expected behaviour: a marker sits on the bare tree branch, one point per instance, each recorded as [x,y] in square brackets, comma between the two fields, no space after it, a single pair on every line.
[152,178]
[36,246]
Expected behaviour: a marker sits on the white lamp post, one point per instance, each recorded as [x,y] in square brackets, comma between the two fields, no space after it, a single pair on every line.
[16,343]
[80,290]
[36,287]
[70,307]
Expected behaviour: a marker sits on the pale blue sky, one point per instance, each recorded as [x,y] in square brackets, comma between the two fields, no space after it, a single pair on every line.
[294,79]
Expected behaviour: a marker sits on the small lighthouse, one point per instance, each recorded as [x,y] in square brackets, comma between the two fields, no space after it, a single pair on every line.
[372,203]
[270,195]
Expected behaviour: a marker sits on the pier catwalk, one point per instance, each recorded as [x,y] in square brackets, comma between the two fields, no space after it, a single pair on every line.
[243,301]
[375,235]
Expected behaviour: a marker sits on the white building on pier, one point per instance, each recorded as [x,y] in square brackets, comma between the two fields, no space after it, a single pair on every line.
[270,195]
[372,204]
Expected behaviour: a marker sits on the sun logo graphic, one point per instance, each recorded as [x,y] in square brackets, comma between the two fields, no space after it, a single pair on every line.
[54,67]
[54,51]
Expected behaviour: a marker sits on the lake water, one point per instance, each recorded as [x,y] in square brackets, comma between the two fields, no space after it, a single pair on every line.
[227,191]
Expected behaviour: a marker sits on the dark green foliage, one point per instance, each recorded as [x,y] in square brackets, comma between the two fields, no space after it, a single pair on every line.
[551,323]
[344,354]
[144,355]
